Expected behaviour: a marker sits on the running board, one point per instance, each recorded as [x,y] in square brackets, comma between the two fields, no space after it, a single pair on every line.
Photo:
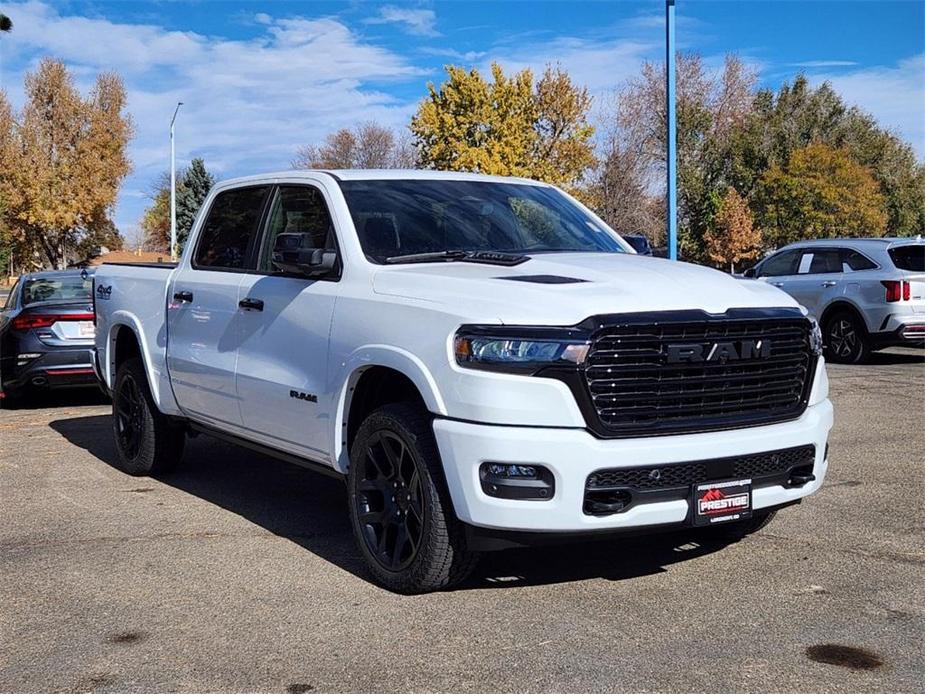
[312,465]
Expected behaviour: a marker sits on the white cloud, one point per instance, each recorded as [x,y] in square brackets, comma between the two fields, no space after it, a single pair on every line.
[249,104]
[824,63]
[414,21]
[895,96]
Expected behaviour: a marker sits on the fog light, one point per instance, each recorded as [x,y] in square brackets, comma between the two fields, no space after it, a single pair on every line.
[516,481]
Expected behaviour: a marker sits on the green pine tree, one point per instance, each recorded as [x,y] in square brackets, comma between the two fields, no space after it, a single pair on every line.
[192,189]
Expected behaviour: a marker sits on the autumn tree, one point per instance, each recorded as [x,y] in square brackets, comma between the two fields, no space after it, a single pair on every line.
[733,235]
[820,193]
[193,185]
[366,146]
[63,160]
[509,125]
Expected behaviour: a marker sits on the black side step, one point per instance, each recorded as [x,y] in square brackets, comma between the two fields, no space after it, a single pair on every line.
[312,465]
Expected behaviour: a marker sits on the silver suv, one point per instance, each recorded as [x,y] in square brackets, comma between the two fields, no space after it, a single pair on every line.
[867,294]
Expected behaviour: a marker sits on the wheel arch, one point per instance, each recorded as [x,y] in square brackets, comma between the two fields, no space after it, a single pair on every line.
[842,305]
[377,376]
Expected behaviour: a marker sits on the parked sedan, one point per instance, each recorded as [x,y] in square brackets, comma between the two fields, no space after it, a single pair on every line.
[867,294]
[46,333]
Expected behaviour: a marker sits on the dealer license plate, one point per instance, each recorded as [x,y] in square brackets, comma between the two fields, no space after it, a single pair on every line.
[723,501]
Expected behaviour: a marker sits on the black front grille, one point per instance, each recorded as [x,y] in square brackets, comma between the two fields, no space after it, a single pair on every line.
[615,490]
[661,374]
[755,466]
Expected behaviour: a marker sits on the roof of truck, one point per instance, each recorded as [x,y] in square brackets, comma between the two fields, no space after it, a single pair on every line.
[380,175]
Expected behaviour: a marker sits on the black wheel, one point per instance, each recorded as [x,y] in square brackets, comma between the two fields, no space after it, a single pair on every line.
[400,508]
[148,443]
[846,339]
[736,531]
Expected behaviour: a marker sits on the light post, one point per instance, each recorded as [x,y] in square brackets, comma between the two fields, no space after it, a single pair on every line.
[173,188]
[672,154]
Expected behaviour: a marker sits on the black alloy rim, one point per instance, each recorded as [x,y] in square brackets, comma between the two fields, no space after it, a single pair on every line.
[129,417]
[389,501]
[843,338]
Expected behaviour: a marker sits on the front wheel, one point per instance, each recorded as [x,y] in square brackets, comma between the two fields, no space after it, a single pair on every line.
[846,340]
[147,442]
[400,508]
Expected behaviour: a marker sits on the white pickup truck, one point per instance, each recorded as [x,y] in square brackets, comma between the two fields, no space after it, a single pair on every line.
[482,360]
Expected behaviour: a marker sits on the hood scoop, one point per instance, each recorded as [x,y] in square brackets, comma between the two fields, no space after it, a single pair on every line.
[543,279]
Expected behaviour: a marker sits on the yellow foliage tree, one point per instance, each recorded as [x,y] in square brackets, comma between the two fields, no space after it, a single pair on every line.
[733,235]
[821,193]
[508,126]
[62,160]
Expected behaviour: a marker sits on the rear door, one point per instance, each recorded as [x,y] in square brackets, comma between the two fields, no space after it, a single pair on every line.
[818,279]
[286,323]
[203,320]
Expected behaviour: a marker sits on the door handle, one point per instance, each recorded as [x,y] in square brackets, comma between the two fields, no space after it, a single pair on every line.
[829,283]
[185,297]
[251,304]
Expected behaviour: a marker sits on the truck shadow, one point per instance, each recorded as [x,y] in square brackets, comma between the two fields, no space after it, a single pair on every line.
[310,510]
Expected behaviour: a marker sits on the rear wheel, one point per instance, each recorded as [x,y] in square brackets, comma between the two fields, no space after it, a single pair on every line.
[400,508]
[846,340]
[148,443]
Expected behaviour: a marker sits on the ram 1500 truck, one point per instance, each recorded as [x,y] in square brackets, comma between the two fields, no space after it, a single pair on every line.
[481,359]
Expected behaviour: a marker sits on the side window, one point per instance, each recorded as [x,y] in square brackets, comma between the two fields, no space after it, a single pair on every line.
[299,211]
[820,261]
[230,229]
[781,264]
[852,261]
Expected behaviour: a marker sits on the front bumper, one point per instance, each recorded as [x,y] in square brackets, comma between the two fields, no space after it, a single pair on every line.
[572,454]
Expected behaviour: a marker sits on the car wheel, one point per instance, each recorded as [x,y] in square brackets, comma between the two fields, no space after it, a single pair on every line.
[400,509]
[147,442]
[846,339]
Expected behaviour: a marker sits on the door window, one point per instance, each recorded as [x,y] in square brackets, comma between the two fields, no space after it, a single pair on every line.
[297,210]
[230,230]
[820,261]
[781,264]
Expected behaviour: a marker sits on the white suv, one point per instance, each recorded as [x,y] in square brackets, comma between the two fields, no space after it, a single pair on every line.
[866,293]
[481,360]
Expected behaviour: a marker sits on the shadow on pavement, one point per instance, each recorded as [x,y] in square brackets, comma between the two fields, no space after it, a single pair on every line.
[63,397]
[310,510]
[902,355]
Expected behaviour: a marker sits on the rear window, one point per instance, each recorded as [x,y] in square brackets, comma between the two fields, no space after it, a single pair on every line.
[911,257]
[40,289]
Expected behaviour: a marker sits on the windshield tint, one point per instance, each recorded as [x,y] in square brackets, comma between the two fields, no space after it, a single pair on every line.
[911,257]
[74,288]
[403,217]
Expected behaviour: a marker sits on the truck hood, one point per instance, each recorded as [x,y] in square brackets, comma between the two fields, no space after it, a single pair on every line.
[566,288]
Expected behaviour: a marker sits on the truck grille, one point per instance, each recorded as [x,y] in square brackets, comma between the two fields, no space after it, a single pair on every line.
[661,375]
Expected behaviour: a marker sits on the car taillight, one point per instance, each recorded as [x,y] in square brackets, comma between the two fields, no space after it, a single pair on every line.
[896,290]
[907,290]
[30,321]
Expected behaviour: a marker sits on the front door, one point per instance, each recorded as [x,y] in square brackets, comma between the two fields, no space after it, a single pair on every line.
[286,319]
[203,318]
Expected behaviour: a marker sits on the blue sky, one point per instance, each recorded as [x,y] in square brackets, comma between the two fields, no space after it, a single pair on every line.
[259,79]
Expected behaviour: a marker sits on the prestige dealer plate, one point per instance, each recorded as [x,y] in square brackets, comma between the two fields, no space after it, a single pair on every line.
[722,501]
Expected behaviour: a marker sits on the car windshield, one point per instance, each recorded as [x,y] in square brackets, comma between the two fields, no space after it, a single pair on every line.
[66,288]
[397,218]
[910,258]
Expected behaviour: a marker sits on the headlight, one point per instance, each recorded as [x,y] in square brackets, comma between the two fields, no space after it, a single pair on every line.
[519,350]
[815,336]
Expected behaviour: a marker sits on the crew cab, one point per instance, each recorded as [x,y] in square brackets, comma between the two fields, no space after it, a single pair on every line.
[482,360]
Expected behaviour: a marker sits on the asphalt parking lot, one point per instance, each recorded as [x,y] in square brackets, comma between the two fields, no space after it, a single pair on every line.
[238,574]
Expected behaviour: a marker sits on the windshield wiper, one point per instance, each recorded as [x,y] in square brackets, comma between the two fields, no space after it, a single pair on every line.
[487,257]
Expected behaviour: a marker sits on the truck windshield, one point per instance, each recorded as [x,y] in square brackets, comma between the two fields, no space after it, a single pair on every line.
[398,218]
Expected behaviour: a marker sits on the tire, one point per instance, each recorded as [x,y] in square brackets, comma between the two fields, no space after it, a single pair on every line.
[147,442]
[736,531]
[400,508]
[846,340]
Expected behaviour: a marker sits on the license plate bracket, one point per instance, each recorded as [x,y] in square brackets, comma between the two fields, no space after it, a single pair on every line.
[721,501]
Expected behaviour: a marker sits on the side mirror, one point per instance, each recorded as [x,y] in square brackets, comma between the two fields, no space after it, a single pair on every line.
[295,253]
[751,273]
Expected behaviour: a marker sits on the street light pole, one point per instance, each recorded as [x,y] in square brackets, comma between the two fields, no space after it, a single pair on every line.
[672,154]
[173,188]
